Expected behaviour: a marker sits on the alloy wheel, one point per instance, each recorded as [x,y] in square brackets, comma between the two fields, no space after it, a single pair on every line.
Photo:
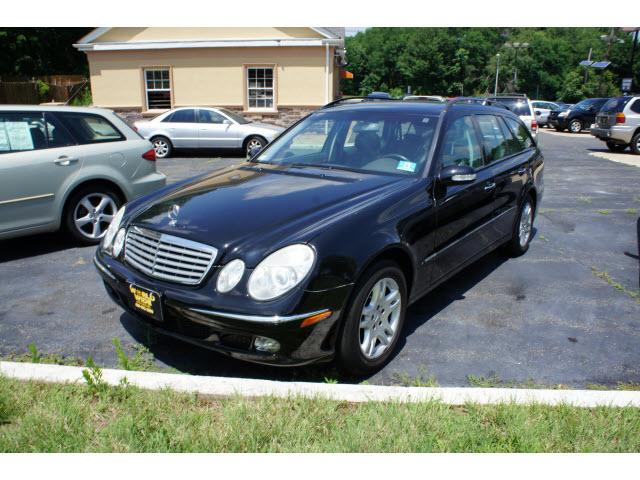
[575,126]
[254,142]
[93,215]
[526,224]
[161,147]
[380,318]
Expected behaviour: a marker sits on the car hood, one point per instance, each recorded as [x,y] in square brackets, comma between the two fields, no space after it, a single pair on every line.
[265,126]
[249,209]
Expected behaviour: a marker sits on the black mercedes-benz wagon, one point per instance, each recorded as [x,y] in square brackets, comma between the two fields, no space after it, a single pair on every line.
[315,247]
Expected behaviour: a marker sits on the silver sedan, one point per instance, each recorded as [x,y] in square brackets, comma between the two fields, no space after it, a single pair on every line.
[204,127]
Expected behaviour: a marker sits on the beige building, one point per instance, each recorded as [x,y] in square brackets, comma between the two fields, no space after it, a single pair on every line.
[272,73]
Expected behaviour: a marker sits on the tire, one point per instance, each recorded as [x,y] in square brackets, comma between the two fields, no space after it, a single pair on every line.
[356,354]
[559,129]
[88,225]
[162,146]
[635,144]
[575,126]
[254,141]
[616,147]
[521,238]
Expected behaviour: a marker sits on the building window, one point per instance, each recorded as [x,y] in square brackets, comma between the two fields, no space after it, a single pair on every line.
[157,88]
[260,91]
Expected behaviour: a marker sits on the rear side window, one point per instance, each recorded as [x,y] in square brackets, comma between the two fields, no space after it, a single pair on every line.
[184,116]
[513,145]
[88,128]
[460,144]
[615,105]
[57,135]
[20,132]
[520,131]
[207,116]
[635,107]
[495,142]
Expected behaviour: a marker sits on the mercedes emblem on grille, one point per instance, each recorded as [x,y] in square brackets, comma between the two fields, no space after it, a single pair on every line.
[174,211]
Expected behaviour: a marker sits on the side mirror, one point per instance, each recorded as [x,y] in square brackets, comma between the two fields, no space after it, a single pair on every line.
[457,175]
[253,151]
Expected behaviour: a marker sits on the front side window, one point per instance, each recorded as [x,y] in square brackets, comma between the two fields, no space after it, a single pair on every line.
[209,116]
[460,144]
[20,132]
[157,88]
[260,90]
[57,135]
[495,143]
[88,128]
[371,141]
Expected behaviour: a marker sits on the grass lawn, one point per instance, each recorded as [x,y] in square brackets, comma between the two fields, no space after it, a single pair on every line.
[38,417]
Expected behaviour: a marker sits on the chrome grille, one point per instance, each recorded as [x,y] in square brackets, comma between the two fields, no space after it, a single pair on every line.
[167,257]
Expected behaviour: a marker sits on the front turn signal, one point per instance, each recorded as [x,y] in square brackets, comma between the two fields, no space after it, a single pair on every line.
[315,318]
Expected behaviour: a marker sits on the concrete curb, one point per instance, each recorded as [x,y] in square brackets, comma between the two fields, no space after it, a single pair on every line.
[225,387]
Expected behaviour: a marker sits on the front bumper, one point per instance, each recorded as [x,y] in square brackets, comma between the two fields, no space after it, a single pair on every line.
[188,316]
[620,134]
[558,122]
[148,184]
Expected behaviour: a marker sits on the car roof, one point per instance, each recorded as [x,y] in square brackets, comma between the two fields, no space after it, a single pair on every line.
[428,108]
[53,108]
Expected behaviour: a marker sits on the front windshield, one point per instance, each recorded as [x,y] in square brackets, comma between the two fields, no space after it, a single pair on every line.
[234,116]
[363,140]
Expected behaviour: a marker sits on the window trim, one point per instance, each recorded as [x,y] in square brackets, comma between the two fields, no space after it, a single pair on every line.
[245,70]
[145,98]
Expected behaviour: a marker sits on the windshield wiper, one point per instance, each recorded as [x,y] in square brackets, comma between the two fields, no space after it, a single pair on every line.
[324,166]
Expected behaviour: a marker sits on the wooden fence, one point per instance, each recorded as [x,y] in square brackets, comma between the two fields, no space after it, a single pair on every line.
[26,91]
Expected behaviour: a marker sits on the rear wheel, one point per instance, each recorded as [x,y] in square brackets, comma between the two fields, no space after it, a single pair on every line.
[253,142]
[89,213]
[635,144]
[522,230]
[374,319]
[575,126]
[162,146]
[616,147]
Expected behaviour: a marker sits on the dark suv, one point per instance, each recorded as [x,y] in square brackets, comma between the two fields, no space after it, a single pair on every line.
[314,248]
[578,117]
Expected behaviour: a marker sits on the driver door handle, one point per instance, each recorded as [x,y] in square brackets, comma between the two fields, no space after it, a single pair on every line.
[522,171]
[489,186]
[65,161]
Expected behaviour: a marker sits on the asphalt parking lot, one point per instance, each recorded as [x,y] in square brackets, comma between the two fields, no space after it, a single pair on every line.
[564,313]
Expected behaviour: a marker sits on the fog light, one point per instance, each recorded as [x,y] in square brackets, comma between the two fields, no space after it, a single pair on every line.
[264,344]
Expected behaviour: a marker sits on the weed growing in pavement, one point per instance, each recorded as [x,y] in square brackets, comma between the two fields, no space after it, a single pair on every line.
[35,355]
[585,199]
[142,359]
[604,211]
[331,381]
[631,211]
[617,285]
[484,382]
[421,380]
[543,238]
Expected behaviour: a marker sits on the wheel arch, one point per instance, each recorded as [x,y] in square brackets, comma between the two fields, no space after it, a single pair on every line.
[250,136]
[90,182]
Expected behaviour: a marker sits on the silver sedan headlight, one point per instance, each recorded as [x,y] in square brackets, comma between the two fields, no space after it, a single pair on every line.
[281,271]
[112,231]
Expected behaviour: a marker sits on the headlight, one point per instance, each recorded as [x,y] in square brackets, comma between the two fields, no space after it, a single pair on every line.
[230,275]
[118,243]
[111,231]
[280,272]
[563,114]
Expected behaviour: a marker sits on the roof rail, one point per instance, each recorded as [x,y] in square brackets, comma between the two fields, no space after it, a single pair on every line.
[521,95]
[478,101]
[357,99]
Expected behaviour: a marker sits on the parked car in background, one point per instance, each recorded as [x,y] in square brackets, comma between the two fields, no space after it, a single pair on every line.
[424,98]
[314,248]
[541,110]
[618,124]
[69,167]
[205,127]
[578,117]
[521,106]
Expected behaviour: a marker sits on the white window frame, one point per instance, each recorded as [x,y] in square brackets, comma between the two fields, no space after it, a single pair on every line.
[273,88]
[147,90]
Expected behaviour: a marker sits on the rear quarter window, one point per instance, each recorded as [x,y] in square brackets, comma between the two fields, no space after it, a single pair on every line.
[520,131]
[615,105]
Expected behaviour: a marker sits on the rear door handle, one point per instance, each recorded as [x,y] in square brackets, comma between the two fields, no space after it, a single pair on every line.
[65,161]
[489,186]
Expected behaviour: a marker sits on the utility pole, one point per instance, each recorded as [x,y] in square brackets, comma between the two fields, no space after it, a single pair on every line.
[633,54]
[495,90]
[516,46]
[586,70]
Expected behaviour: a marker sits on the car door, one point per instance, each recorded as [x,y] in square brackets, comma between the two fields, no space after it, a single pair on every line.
[464,211]
[31,173]
[216,131]
[183,128]
[509,166]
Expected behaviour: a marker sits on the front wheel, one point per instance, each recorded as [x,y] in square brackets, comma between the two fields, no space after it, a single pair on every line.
[254,142]
[575,126]
[616,147]
[374,320]
[523,229]
[635,144]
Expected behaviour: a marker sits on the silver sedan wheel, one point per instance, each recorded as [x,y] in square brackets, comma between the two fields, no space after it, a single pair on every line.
[254,142]
[380,318]
[161,147]
[526,224]
[93,214]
